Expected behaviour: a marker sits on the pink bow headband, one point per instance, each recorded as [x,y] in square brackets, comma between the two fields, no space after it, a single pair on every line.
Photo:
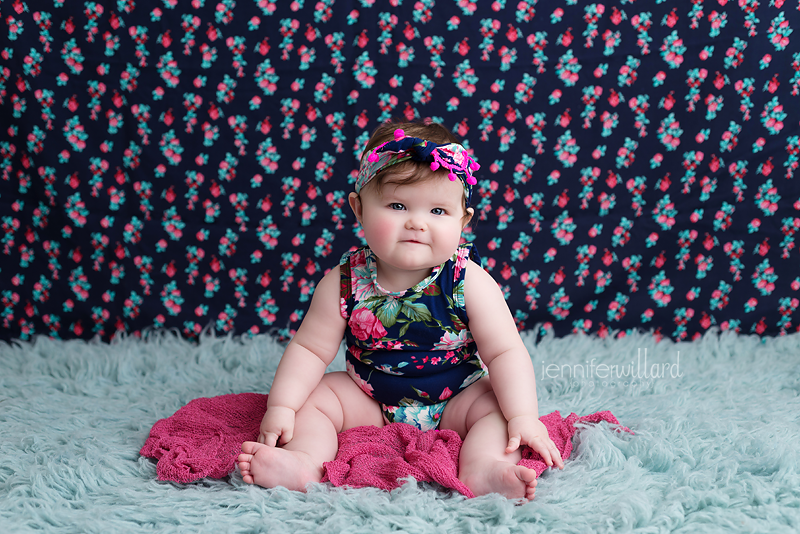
[452,156]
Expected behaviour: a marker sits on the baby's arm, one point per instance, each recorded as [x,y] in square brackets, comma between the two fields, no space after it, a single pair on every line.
[510,367]
[304,361]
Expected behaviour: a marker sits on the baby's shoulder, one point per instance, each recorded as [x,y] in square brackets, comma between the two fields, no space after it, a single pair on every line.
[329,281]
[476,278]
[327,294]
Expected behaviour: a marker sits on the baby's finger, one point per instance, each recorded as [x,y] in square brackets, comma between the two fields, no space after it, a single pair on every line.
[513,444]
[270,439]
[544,447]
[286,437]
[544,452]
[550,454]
[556,456]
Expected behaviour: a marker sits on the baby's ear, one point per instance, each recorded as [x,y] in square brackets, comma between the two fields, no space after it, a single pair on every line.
[355,205]
[467,217]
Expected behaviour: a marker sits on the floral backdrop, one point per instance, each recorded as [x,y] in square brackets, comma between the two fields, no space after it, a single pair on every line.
[187,164]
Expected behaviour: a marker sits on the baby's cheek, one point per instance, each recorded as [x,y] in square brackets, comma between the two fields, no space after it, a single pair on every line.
[452,235]
[378,231]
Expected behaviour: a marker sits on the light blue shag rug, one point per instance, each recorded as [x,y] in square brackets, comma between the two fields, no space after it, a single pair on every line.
[716,445]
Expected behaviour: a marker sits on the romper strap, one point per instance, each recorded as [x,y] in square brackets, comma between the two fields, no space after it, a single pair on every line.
[469,251]
[473,254]
[345,287]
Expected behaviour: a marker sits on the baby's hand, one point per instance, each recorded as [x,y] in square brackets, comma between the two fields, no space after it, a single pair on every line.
[277,424]
[528,430]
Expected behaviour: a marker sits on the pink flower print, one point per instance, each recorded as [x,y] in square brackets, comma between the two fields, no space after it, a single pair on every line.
[356,352]
[453,340]
[359,259]
[363,287]
[389,370]
[446,394]
[363,324]
[365,386]
[361,279]
[343,307]
[462,257]
[457,155]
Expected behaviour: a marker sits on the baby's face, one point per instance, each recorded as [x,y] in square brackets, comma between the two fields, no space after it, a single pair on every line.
[413,227]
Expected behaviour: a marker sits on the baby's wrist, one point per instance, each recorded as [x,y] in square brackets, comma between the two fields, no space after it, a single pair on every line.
[277,407]
[523,416]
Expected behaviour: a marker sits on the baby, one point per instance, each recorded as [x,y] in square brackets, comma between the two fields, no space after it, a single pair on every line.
[422,321]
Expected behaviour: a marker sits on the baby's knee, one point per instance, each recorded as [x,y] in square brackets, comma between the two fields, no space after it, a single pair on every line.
[469,406]
[483,405]
[481,387]
[355,406]
[325,399]
[335,379]
[328,387]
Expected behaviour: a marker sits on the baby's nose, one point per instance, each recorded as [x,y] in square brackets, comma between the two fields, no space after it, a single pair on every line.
[415,222]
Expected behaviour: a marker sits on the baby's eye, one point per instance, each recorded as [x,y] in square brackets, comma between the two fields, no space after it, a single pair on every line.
[397,206]
[438,211]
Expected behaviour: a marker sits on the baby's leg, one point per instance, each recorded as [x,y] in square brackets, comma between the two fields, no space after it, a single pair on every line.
[484,466]
[337,404]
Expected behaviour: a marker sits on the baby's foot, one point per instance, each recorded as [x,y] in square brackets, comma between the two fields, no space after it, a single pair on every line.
[271,466]
[512,481]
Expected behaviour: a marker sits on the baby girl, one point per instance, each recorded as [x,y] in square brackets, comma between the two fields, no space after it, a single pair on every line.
[430,339]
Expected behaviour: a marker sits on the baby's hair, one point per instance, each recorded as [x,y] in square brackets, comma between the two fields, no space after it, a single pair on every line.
[407,172]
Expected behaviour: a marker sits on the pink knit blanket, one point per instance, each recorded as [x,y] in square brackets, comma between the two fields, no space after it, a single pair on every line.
[203,439]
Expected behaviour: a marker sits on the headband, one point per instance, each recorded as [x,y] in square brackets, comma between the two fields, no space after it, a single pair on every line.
[451,156]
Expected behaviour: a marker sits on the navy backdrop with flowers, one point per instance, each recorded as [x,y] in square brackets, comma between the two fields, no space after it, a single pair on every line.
[185,164]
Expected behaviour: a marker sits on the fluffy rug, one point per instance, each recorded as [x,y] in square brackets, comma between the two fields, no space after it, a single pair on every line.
[715,444]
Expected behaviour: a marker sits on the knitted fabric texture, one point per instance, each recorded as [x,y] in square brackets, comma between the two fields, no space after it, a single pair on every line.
[382,457]
[203,439]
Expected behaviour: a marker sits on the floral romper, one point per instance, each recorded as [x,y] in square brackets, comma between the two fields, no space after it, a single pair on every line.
[409,350]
